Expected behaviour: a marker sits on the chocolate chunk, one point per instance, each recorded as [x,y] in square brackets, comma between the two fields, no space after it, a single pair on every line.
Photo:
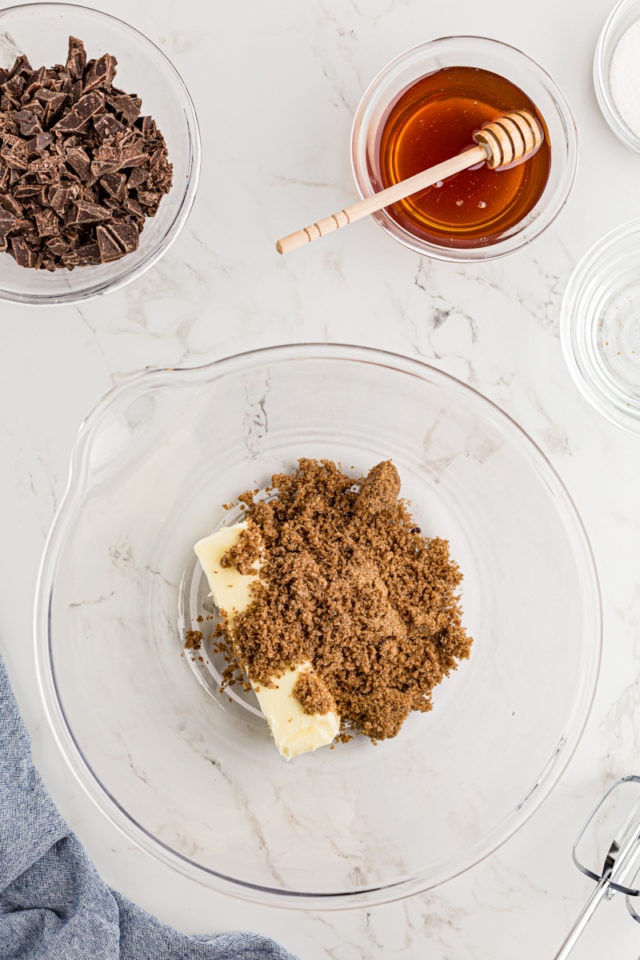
[24,228]
[115,184]
[75,91]
[149,200]
[83,212]
[15,154]
[79,115]
[107,125]
[47,223]
[127,105]
[10,204]
[109,249]
[46,169]
[135,155]
[24,190]
[21,67]
[59,197]
[100,72]
[9,141]
[43,140]
[80,169]
[76,58]
[7,221]
[8,104]
[15,87]
[22,252]
[44,95]
[58,247]
[124,234]
[83,256]
[36,81]
[28,123]
[137,177]
[100,167]
[134,208]
[79,161]
[52,104]
[148,127]
[36,108]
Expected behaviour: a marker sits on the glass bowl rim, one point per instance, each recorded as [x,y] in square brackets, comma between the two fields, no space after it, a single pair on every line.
[98,792]
[502,247]
[98,288]
[590,269]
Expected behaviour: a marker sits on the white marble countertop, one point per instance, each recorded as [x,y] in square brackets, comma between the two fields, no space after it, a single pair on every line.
[275,86]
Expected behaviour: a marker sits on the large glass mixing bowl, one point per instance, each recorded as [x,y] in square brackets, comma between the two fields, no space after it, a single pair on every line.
[192,775]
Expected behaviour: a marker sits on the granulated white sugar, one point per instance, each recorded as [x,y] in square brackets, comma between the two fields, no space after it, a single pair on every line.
[624,77]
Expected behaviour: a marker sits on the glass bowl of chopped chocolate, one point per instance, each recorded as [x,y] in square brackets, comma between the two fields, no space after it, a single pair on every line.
[99,153]
[316,625]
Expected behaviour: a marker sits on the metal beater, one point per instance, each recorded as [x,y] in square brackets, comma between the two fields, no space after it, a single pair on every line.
[619,870]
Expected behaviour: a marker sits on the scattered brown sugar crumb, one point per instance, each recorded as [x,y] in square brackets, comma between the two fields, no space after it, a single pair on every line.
[313,694]
[193,639]
[246,552]
[348,584]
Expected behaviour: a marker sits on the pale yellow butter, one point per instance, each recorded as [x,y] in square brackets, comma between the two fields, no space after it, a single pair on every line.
[293,730]
[230,589]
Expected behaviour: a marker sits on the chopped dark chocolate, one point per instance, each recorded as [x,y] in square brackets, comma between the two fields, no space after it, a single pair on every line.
[23,190]
[76,119]
[100,73]
[109,248]
[42,141]
[76,58]
[107,125]
[115,184]
[28,122]
[6,222]
[24,255]
[126,105]
[80,168]
[21,68]
[78,160]
[125,234]
[47,223]
[10,204]
[88,254]
[83,212]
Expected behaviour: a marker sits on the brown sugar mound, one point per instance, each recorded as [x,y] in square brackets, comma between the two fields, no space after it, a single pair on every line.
[349,584]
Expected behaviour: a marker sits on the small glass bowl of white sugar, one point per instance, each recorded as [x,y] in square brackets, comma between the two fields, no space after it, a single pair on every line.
[616,72]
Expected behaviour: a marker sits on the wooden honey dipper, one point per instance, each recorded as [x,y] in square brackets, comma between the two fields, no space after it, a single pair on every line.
[504,142]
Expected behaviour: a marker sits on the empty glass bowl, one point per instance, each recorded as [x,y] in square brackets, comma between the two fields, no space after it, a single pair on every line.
[41,31]
[192,775]
[489,55]
[609,85]
[600,325]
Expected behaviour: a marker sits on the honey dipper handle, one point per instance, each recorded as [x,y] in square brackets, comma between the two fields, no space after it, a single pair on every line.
[399,191]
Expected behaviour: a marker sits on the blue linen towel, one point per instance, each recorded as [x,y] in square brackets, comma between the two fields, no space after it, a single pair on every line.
[53,904]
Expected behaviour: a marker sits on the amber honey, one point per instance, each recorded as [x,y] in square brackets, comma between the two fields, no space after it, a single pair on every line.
[434,119]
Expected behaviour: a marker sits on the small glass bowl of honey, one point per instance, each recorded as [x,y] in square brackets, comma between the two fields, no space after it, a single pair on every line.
[424,107]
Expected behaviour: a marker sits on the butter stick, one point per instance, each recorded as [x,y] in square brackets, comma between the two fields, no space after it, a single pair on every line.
[294,731]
